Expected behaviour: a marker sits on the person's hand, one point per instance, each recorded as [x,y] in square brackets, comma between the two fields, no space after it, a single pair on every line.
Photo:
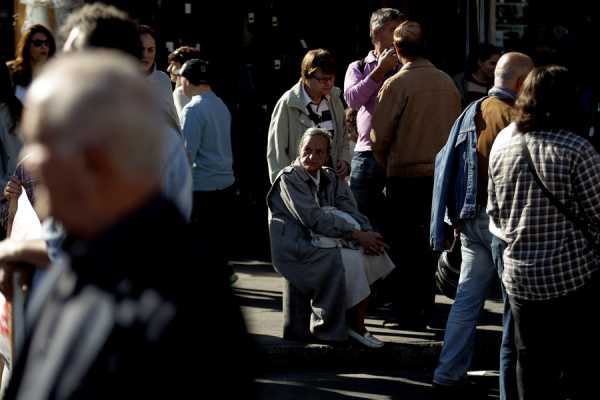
[13,189]
[371,242]
[342,169]
[388,60]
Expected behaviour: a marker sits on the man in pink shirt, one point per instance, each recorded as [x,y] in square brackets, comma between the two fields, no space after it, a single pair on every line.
[361,85]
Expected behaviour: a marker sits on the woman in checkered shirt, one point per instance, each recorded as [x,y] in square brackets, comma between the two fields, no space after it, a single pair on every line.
[550,268]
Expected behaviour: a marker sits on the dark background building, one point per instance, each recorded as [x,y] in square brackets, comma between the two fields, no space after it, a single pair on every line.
[256,46]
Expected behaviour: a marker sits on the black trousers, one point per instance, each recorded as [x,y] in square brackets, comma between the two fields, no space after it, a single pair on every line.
[558,346]
[407,232]
[212,223]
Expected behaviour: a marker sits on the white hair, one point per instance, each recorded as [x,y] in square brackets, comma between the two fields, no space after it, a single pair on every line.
[100,98]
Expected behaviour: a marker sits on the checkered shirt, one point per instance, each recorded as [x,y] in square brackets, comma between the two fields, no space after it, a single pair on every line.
[547,256]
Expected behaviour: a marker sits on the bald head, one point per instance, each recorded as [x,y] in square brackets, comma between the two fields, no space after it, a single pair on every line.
[511,70]
[97,98]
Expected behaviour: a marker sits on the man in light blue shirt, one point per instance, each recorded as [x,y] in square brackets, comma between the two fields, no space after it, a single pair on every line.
[206,125]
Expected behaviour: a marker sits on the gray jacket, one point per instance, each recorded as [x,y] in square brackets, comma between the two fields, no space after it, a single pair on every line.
[290,120]
[318,272]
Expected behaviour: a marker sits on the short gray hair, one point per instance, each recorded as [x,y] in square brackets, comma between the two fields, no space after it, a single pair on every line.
[383,15]
[312,132]
[100,98]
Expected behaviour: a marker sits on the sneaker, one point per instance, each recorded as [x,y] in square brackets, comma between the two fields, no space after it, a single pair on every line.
[373,339]
[364,339]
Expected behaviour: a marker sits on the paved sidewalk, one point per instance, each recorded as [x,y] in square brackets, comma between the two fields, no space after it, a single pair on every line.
[259,289]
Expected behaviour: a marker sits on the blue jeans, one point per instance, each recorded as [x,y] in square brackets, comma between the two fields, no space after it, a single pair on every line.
[508,352]
[367,180]
[476,274]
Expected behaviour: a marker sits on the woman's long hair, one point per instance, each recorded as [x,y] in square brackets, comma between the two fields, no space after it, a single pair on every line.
[548,101]
[21,66]
[7,96]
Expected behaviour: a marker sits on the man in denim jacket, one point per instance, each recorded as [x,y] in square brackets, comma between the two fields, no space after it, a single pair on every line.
[460,197]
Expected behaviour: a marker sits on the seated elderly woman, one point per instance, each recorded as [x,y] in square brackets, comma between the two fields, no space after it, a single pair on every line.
[323,245]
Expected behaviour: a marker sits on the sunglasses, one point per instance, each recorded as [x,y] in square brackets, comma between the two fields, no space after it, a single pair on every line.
[40,43]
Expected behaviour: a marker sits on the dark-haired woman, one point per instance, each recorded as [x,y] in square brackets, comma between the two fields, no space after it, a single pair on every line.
[550,266]
[10,115]
[159,80]
[176,61]
[36,46]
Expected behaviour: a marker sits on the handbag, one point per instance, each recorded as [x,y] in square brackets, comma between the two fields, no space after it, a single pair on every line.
[326,242]
[447,271]
[590,231]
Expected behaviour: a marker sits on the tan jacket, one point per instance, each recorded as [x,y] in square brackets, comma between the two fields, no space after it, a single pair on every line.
[415,111]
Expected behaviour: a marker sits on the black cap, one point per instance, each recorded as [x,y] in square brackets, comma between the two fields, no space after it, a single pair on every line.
[196,71]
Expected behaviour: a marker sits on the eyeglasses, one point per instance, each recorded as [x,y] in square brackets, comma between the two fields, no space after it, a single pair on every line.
[323,79]
[40,43]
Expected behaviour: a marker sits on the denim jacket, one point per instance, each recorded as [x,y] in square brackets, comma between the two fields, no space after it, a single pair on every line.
[455,178]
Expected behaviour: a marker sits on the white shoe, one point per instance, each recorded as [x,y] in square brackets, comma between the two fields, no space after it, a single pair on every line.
[365,339]
[373,339]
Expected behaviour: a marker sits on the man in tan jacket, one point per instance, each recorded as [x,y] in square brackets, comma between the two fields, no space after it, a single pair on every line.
[415,111]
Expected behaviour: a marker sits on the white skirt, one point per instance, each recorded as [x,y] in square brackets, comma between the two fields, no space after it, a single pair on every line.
[361,271]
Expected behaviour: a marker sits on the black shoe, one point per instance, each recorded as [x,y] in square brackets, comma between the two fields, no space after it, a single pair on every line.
[405,324]
[465,390]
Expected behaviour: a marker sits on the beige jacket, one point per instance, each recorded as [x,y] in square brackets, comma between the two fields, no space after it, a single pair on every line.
[415,111]
[290,120]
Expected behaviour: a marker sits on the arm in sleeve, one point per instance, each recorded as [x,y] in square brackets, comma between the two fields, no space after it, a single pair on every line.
[344,201]
[298,199]
[358,87]
[341,144]
[278,140]
[492,205]
[388,111]
[586,183]
[193,128]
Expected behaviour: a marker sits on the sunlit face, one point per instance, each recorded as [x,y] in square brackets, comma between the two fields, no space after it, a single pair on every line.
[488,66]
[385,35]
[64,199]
[172,68]
[148,51]
[39,48]
[314,154]
[320,84]
[186,86]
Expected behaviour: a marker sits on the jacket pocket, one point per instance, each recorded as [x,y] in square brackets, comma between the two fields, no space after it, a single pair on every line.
[461,138]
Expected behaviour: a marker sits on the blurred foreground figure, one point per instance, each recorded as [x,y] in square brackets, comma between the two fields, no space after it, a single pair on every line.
[117,316]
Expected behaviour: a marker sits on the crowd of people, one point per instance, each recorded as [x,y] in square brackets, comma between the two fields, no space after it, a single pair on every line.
[130,171]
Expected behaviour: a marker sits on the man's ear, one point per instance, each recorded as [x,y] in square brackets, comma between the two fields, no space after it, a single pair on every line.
[98,162]
[519,83]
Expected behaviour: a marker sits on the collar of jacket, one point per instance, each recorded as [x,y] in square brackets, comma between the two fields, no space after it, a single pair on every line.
[503,94]
[296,99]
[417,63]
[325,171]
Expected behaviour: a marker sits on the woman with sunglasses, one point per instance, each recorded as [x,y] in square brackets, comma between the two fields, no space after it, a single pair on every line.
[36,46]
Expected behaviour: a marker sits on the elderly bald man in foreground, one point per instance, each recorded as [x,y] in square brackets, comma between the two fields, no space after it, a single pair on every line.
[114,319]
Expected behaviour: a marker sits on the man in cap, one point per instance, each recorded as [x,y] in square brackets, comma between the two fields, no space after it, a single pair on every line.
[206,123]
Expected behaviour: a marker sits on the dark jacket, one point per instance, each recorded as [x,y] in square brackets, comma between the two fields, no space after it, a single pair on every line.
[126,315]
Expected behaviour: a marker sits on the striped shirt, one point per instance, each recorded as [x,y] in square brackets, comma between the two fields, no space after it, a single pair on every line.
[546,257]
[319,114]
